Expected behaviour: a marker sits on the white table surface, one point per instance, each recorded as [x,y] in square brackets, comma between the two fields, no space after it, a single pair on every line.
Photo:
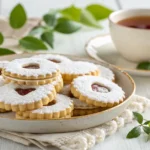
[74,44]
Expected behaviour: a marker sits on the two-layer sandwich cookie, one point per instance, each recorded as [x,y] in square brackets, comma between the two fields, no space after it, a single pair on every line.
[22,97]
[61,108]
[97,91]
[31,71]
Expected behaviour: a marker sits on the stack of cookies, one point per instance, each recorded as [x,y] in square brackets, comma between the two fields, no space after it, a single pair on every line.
[30,87]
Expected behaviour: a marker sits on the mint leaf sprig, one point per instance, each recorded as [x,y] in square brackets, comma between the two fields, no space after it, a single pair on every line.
[143,127]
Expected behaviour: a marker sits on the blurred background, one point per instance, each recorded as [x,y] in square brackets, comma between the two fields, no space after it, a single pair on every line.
[35,8]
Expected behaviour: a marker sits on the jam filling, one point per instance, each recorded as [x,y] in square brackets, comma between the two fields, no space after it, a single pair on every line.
[54,60]
[24,91]
[0,71]
[31,66]
[99,88]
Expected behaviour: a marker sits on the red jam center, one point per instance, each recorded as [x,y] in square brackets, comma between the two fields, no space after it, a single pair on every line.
[0,71]
[54,60]
[99,88]
[24,91]
[31,66]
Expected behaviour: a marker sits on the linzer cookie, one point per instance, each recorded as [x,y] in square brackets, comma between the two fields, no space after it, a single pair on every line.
[22,98]
[3,64]
[31,71]
[97,91]
[58,59]
[74,69]
[62,108]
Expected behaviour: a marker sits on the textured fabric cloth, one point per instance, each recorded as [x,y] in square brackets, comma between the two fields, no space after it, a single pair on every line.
[80,140]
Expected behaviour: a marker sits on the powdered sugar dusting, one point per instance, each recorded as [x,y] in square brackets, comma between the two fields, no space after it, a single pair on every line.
[106,73]
[10,96]
[3,64]
[81,105]
[52,57]
[46,67]
[77,67]
[62,103]
[2,81]
[83,85]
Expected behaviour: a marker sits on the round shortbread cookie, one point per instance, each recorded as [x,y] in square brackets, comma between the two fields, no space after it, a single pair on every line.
[74,69]
[58,59]
[62,107]
[97,91]
[31,69]
[22,98]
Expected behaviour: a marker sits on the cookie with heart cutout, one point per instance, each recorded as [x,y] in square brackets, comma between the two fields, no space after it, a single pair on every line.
[3,64]
[22,97]
[60,108]
[97,91]
[72,70]
[31,71]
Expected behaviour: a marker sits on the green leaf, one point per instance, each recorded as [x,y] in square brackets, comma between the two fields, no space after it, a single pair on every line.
[48,37]
[32,43]
[146,129]
[147,122]
[144,66]
[67,26]
[37,30]
[138,117]
[135,132]
[17,17]
[87,18]
[71,13]
[99,11]
[5,51]
[50,19]
[1,38]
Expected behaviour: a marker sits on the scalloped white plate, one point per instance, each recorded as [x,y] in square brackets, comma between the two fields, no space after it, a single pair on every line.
[102,49]
[8,121]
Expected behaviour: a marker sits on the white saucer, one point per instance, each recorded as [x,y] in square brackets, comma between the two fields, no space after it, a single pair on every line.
[102,48]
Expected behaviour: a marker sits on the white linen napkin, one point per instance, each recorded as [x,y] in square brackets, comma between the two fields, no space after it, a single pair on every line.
[80,140]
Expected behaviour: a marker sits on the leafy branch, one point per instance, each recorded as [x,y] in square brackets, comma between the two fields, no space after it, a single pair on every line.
[64,21]
[143,127]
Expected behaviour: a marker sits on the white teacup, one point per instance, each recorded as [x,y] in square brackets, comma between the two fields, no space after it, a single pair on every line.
[132,43]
